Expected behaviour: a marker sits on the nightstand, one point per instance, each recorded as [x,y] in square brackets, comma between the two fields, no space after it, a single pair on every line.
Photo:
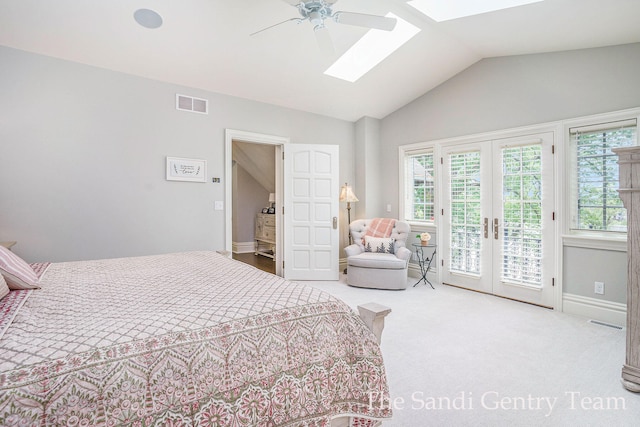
[265,235]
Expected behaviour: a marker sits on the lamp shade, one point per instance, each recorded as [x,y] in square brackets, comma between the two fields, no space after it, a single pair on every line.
[346,194]
[272,197]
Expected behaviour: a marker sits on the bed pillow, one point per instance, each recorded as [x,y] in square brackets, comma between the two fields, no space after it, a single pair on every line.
[17,273]
[379,244]
[4,288]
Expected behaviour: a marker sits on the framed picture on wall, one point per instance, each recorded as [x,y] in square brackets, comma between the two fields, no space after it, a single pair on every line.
[193,170]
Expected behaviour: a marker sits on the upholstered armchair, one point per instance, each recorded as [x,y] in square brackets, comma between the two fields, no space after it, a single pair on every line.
[374,265]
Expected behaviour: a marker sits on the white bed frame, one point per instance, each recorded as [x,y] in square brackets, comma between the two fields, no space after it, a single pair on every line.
[373,316]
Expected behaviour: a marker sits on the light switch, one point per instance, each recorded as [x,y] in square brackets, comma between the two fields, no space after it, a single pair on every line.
[219,205]
[389,208]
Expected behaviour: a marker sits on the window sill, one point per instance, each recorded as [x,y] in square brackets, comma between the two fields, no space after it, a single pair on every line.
[596,241]
[422,226]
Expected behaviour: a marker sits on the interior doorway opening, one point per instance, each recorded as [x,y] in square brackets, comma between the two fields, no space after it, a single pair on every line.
[253,196]
[253,203]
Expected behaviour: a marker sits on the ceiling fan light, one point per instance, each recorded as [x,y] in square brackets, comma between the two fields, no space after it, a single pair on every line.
[316,18]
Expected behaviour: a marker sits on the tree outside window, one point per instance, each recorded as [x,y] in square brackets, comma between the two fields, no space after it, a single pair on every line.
[598,205]
[420,187]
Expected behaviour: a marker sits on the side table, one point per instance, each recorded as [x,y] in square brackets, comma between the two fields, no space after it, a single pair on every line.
[424,262]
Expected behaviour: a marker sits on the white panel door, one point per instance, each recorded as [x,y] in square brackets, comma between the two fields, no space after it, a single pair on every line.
[311,188]
[498,219]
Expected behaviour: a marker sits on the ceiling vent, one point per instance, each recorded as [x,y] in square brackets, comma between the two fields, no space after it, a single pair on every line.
[189,103]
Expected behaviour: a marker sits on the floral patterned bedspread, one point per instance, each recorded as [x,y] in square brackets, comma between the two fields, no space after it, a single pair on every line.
[190,339]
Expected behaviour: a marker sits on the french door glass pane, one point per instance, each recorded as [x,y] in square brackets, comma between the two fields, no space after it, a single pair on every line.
[522,215]
[465,212]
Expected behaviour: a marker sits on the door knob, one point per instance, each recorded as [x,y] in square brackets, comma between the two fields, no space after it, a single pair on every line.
[335,222]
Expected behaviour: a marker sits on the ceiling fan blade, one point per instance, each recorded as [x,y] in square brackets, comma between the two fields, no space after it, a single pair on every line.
[297,2]
[364,20]
[275,25]
[324,40]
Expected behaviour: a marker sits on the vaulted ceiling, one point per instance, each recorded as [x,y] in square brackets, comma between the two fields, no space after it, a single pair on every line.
[259,161]
[206,44]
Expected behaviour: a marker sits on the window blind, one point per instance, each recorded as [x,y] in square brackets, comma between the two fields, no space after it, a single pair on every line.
[419,186]
[598,206]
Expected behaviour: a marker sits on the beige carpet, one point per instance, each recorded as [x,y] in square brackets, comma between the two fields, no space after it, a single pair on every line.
[460,358]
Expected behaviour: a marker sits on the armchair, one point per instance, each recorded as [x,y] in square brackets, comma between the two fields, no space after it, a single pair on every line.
[379,270]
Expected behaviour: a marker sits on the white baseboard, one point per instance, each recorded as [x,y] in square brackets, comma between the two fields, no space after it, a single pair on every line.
[414,271]
[243,247]
[614,313]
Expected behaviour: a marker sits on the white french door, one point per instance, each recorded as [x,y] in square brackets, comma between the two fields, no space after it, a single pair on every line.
[498,217]
[311,188]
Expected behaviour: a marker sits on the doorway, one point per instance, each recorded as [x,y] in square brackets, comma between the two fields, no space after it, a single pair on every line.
[498,218]
[257,160]
[307,186]
[253,223]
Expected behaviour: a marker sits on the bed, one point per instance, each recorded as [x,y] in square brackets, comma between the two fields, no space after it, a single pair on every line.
[183,339]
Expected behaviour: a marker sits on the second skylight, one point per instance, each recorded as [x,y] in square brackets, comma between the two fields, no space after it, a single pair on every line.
[444,10]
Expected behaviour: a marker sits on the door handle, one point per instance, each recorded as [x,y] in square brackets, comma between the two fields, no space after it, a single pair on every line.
[495,228]
[335,222]
[486,228]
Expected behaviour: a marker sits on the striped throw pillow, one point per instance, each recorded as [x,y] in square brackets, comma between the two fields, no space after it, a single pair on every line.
[4,289]
[17,273]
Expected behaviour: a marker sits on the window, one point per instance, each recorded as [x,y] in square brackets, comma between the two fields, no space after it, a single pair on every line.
[419,187]
[597,205]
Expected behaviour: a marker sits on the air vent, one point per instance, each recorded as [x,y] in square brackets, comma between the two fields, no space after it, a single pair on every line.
[189,103]
[609,325]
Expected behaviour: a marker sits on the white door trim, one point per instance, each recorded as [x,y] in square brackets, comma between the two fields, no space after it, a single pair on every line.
[231,135]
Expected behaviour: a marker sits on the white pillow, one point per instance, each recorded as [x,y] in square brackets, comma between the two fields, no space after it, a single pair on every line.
[379,244]
[4,289]
[17,273]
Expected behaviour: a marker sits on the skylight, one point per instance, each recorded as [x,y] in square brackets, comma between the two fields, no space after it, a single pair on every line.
[444,10]
[371,49]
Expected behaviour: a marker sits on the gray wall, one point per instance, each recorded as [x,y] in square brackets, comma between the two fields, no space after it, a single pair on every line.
[369,172]
[82,159]
[508,92]
[249,198]
[585,266]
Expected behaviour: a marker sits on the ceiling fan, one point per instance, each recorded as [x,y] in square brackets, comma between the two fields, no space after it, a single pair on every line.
[317,11]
